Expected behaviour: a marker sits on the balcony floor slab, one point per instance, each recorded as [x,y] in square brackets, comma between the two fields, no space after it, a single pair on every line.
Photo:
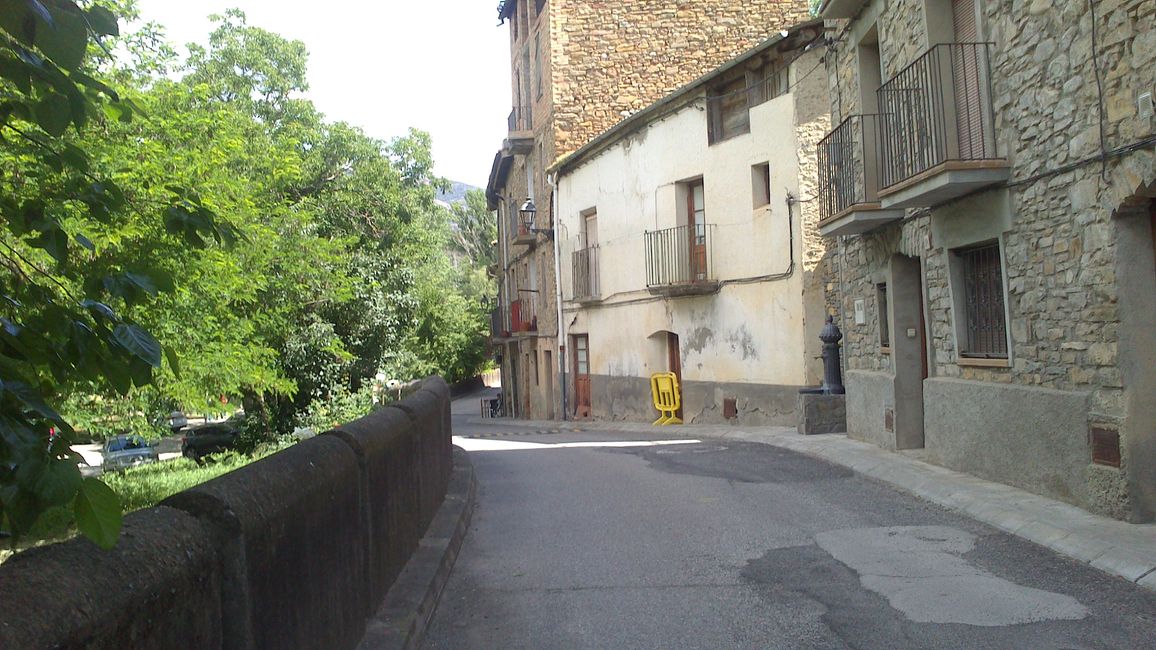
[944,183]
[858,219]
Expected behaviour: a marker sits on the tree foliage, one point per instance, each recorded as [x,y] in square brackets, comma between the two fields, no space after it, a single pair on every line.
[125,293]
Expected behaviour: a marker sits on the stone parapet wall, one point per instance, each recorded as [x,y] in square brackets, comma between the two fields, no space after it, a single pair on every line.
[610,59]
[293,551]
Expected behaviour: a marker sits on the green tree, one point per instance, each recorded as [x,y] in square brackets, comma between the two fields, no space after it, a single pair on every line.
[475,230]
[64,323]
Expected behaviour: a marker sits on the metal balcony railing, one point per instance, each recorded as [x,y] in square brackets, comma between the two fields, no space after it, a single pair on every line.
[521,119]
[586,284]
[679,255]
[524,313]
[936,110]
[849,164]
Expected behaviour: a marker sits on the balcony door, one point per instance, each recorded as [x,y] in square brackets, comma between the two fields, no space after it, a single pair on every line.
[696,230]
[581,345]
[590,234]
[968,80]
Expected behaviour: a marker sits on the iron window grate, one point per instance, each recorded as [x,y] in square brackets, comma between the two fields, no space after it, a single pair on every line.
[984,302]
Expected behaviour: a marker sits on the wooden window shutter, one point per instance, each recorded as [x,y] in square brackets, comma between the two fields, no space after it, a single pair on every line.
[963,19]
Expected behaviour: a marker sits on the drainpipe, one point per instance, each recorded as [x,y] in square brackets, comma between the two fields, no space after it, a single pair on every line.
[555,210]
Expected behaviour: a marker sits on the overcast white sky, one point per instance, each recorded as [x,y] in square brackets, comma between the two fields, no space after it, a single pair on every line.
[387,65]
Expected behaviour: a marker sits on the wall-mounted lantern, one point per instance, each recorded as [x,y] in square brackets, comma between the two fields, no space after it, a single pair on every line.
[527,214]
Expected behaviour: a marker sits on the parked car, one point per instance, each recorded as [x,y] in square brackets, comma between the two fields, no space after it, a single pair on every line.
[177,421]
[212,438]
[122,452]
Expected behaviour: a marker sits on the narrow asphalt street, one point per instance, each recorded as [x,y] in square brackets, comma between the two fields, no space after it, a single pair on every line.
[604,539]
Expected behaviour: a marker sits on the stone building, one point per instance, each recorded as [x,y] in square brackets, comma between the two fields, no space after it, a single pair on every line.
[682,248]
[988,193]
[577,68]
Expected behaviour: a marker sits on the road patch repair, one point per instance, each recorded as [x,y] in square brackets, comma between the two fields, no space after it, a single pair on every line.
[921,572]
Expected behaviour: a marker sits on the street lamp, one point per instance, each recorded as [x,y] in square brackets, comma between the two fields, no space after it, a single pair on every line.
[527,213]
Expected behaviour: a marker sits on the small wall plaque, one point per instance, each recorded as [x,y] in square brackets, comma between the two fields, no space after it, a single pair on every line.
[860,313]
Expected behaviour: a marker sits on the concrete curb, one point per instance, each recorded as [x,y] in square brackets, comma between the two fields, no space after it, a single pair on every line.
[1115,547]
[405,612]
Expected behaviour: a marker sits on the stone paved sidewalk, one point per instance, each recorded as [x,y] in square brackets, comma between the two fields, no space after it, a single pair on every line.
[1116,547]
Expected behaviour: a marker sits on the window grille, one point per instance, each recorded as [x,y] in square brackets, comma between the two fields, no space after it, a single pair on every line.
[984,302]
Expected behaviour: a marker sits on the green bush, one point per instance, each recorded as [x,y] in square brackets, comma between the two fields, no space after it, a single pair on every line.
[339,407]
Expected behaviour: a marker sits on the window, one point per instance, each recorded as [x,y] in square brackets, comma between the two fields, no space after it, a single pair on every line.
[727,111]
[538,5]
[884,317]
[767,83]
[529,78]
[981,280]
[538,60]
[761,185]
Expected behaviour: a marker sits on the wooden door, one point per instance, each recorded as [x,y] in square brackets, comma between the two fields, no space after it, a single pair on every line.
[581,375]
[696,231]
[674,364]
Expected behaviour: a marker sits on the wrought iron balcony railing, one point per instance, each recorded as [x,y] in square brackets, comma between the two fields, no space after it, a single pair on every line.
[586,285]
[521,119]
[679,256]
[937,110]
[849,164]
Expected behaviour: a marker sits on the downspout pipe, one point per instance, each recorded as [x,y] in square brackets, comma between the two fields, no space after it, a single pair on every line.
[560,344]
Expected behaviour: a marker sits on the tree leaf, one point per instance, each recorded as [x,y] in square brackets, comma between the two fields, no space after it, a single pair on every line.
[54,241]
[66,41]
[103,21]
[53,114]
[16,71]
[99,309]
[17,20]
[174,361]
[30,398]
[144,282]
[95,84]
[59,483]
[41,11]
[139,342]
[98,512]
[85,242]
[74,157]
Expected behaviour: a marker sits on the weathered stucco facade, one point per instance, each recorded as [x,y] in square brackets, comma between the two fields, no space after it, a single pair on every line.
[1074,393]
[745,330]
[577,69]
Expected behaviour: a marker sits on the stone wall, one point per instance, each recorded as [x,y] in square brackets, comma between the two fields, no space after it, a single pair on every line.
[610,59]
[1065,210]
[293,551]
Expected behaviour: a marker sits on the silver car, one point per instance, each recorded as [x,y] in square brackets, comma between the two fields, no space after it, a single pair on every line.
[121,452]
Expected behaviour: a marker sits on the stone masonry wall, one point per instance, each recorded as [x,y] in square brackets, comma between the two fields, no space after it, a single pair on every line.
[1060,255]
[612,58]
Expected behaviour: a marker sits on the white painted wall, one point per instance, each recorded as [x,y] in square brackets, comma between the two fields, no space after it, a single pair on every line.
[747,333]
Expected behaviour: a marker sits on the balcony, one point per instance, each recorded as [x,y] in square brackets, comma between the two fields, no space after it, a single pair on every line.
[679,261]
[520,140]
[849,167]
[524,314]
[586,286]
[938,128]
